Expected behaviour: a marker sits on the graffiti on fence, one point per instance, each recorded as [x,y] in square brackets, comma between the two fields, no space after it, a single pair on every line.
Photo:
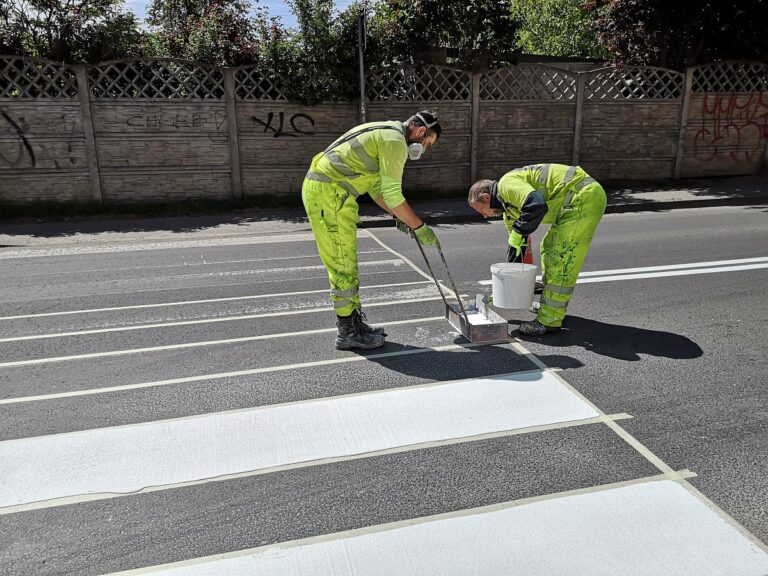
[21,147]
[734,127]
[278,131]
[195,120]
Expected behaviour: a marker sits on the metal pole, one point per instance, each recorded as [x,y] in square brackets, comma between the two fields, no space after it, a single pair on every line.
[360,40]
[437,283]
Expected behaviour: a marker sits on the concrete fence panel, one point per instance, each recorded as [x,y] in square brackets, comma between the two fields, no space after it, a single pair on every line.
[171,130]
[397,93]
[726,128]
[630,122]
[43,153]
[526,116]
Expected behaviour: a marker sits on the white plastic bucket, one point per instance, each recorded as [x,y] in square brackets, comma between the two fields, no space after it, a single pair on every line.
[513,285]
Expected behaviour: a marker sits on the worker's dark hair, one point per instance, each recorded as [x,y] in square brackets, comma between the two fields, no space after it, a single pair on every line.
[478,188]
[425,118]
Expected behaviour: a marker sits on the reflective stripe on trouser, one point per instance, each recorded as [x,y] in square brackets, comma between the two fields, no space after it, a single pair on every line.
[564,249]
[333,215]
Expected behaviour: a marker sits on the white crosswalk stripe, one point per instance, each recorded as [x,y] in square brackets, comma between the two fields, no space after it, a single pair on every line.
[52,468]
[571,531]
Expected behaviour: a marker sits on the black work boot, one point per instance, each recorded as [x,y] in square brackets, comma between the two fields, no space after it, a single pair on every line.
[536,328]
[350,336]
[363,326]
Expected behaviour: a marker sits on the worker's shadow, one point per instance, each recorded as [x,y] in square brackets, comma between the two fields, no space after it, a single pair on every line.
[457,363]
[617,341]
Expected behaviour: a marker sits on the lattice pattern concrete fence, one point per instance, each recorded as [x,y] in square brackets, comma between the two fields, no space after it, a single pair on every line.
[159,130]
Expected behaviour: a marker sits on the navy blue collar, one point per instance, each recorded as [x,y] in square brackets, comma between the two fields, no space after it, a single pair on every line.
[496,202]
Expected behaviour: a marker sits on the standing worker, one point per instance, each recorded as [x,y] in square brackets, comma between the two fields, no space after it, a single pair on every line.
[369,158]
[565,197]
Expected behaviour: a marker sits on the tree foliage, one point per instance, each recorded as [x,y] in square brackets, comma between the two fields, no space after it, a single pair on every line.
[556,28]
[68,30]
[481,32]
[681,33]
[211,31]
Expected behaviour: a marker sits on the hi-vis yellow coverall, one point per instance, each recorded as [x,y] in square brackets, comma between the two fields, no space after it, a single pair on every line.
[575,205]
[369,158]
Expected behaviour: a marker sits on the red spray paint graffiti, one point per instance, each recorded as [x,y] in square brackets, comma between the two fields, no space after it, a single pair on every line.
[734,128]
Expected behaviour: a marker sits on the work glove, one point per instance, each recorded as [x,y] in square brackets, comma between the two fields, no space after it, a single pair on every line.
[516,246]
[402,226]
[426,236]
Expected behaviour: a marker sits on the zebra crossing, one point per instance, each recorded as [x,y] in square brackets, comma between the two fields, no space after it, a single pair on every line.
[177,408]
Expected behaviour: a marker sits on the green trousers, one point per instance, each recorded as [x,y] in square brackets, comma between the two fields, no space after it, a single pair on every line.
[333,215]
[564,249]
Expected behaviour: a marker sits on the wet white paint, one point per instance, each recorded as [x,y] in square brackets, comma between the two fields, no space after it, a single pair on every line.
[130,458]
[656,528]
[477,319]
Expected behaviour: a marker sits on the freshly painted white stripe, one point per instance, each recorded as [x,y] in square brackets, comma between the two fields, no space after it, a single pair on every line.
[679,270]
[183,265]
[209,320]
[224,375]
[186,345]
[325,461]
[130,458]
[639,529]
[206,301]
[379,528]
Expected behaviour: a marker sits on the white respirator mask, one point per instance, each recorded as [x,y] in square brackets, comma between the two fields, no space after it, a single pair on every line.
[416,149]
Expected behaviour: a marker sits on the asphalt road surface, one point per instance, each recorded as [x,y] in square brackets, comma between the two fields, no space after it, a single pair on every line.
[178,408]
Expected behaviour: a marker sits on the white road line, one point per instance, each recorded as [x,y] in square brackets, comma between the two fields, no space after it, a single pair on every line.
[134,291]
[636,528]
[205,301]
[238,373]
[395,262]
[710,264]
[322,462]
[183,265]
[129,458]
[672,273]
[447,290]
[626,436]
[187,345]
[209,320]
[122,245]
[662,271]
[643,450]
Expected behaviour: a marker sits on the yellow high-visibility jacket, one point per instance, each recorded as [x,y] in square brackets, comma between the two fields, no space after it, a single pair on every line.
[369,158]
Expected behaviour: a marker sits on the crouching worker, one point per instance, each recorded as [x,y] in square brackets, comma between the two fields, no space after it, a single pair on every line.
[565,197]
[369,158]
